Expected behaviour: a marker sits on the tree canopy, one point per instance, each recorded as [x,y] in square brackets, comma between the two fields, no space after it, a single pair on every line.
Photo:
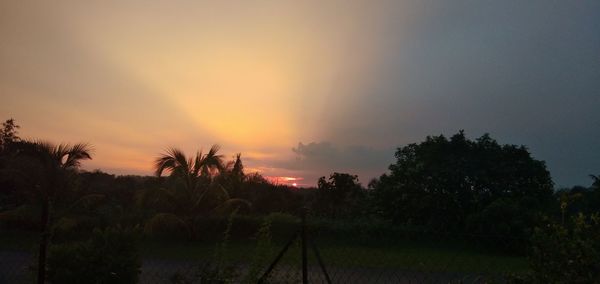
[441,182]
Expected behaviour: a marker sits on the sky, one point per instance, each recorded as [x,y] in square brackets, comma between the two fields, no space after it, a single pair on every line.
[304,88]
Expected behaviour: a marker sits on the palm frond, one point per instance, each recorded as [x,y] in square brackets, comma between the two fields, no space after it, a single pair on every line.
[76,153]
[182,161]
[163,163]
[197,163]
[224,192]
[212,162]
[60,153]
[173,161]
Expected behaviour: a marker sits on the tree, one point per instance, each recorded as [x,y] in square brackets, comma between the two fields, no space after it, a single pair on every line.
[579,199]
[236,168]
[596,182]
[232,176]
[339,196]
[8,137]
[192,180]
[190,170]
[49,171]
[9,133]
[440,182]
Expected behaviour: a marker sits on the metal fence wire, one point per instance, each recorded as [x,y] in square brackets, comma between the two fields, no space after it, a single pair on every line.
[308,255]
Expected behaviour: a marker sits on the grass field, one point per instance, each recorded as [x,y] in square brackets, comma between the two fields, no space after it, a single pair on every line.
[404,255]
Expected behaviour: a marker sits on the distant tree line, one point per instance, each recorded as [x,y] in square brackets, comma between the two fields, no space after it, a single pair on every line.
[452,184]
[445,184]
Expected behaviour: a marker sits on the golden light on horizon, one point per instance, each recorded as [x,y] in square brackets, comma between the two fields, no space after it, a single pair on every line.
[241,96]
[140,78]
[230,89]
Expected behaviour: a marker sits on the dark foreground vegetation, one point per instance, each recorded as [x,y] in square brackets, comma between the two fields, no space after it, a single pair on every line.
[443,199]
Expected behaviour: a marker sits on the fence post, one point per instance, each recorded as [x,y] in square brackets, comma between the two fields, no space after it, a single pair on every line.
[304,244]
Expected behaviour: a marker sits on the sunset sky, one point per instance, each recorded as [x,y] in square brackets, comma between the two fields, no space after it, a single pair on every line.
[304,88]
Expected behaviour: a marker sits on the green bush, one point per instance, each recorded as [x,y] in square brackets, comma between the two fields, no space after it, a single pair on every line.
[567,254]
[109,256]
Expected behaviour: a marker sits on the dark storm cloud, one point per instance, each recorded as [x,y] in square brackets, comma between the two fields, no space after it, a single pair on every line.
[317,159]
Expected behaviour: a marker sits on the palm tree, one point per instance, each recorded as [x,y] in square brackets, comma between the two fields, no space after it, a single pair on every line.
[236,168]
[191,170]
[184,204]
[50,168]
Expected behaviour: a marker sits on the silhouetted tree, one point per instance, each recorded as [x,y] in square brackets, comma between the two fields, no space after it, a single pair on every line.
[49,170]
[8,137]
[440,182]
[237,170]
[9,133]
[266,197]
[579,199]
[186,199]
[339,196]
[232,176]
[596,182]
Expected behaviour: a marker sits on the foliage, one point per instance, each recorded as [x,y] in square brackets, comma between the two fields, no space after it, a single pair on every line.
[9,191]
[267,198]
[262,252]
[193,191]
[579,199]
[339,196]
[222,250]
[219,269]
[9,133]
[109,256]
[567,254]
[47,172]
[440,182]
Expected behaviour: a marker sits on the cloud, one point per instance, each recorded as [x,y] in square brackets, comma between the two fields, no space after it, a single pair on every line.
[322,151]
[315,159]
[526,72]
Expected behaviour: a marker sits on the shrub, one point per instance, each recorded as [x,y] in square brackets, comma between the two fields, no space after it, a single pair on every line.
[262,252]
[109,256]
[567,254]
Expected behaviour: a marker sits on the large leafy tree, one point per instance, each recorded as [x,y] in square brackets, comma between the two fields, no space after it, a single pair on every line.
[47,170]
[442,183]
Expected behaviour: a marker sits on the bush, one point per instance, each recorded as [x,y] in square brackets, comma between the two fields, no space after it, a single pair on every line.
[567,254]
[109,256]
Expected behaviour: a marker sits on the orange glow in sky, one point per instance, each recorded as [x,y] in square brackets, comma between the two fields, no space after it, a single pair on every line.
[349,79]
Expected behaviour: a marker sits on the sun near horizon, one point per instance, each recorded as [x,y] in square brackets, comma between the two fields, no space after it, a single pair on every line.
[301,89]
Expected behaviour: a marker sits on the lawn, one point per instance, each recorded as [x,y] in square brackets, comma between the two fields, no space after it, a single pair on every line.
[402,255]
